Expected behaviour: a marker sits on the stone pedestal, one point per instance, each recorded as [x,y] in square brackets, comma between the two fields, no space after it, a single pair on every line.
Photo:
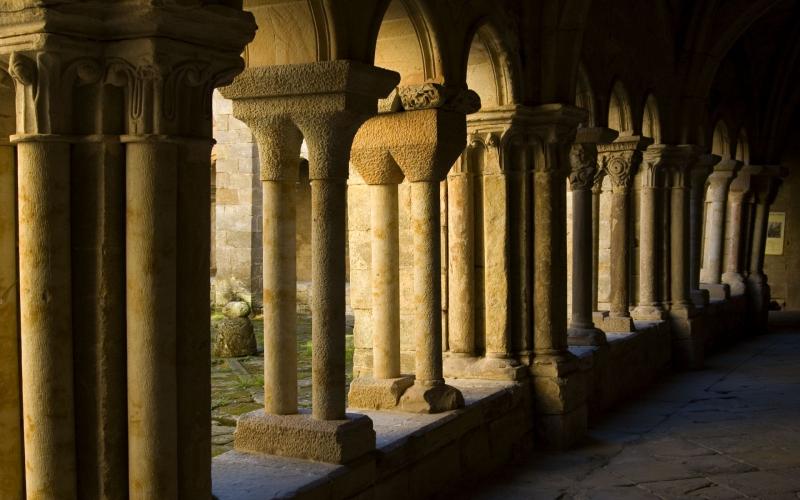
[339,441]
[559,388]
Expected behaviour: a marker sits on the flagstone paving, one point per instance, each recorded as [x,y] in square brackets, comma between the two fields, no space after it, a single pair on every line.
[237,384]
[731,430]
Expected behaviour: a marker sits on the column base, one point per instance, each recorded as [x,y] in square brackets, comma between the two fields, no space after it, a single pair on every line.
[736,282]
[700,298]
[479,367]
[421,398]
[586,336]
[649,313]
[618,324]
[688,340]
[301,436]
[378,394]
[560,400]
[599,316]
[717,291]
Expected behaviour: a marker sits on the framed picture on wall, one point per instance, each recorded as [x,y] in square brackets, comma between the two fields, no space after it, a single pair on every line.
[776,228]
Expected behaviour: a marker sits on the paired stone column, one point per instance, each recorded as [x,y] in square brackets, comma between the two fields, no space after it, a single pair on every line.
[371,158]
[716,205]
[654,170]
[698,176]
[681,303]
[767,183]
[325,103]
[434,134]
[736,231]
[621,160]
[559,389]
[489,163]
[583,163]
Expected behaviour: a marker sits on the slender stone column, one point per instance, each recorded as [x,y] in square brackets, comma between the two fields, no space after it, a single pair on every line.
[46,316]
[650,308]
[12,462]
[621,160]
[597,190]
[425,131]
[716,202]
[279,144]
[767,184]
[698,177]
[370,156]
[559,390]
[735,232]
[665,242]
[679,224]
[461,262]
[323,103]
[583,162]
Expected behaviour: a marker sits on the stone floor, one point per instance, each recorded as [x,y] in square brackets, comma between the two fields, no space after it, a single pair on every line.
[237,384]
[731,430]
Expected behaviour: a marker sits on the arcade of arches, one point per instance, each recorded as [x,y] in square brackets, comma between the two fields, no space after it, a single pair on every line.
[526,216]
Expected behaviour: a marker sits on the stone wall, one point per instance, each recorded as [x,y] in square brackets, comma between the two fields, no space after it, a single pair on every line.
[237,234]
[781,269]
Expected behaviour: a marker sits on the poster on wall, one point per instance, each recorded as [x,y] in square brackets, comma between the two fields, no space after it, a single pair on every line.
[776,228]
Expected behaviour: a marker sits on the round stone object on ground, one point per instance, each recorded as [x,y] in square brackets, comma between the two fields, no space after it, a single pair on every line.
[236,309]
[234,338]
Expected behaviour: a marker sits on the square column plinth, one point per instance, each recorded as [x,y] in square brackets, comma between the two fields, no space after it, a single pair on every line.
[378,393]
[301,436]
[560,401]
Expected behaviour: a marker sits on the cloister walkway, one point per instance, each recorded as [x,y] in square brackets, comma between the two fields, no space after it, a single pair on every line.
[731,430]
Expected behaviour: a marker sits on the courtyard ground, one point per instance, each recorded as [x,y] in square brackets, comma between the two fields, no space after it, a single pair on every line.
[237,384]
[731,430]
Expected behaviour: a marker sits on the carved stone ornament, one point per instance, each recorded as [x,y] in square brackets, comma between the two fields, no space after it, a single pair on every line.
[433,95]
[621,167]
[583,166]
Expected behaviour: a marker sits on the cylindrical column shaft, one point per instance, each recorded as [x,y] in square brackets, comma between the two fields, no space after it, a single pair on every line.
[46,319]
[461,276]
[760,223]
[597,190]
[649,262]
[620,254]
[328,229]
[733,235]
[385,281]
[679,259]
[715,234]
[151,261]
[280,296]
[696,205]
[550,305]
[581,259]
[427,284]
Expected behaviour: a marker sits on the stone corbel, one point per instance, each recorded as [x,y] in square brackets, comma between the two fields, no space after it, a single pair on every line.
[433,95]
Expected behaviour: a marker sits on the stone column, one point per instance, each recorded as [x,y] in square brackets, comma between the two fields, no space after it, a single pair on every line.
[461,259]
[559,391]
[370,156]
[321,101]
[621,160]
[583,163]
[679,223]
[716,203]
[650,307]
[597,190]
[11,452]
[698,176]
[434,136]
[767,184]
[735,232]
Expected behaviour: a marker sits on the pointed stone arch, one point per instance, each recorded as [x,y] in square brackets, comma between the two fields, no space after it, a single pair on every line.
[492,71]
[584,96]
[721,142]
[651,121]
[620,117]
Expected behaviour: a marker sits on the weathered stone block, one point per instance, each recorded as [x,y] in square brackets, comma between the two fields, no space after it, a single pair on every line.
[377,394]
[301,436]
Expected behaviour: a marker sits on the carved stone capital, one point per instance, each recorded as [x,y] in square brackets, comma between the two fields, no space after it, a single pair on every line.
[433,95]
[620,166]
[583,166]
